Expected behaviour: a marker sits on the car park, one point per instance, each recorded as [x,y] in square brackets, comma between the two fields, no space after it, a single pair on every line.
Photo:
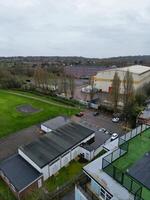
[102,129]
[106,132]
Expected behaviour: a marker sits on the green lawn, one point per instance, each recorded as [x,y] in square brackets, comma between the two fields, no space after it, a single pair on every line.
[5,193]
[137,148]
[11,120]
[66,174]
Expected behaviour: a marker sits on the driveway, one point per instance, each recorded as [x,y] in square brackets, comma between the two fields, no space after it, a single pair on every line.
[10,144]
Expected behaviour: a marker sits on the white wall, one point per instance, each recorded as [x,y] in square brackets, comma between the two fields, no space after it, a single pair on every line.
[29,160]
[75,152]
[103,79]
[45,129]
[79,195]
[45,172]
[65,159]
[98,150]
[55,167]
[87,154]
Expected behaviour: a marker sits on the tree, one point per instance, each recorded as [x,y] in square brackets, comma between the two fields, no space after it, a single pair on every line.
[115,92]
[41,77]
[71,81]
[92,88]
[128,93]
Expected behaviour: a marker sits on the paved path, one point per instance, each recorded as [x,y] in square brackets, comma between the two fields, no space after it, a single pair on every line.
[40,99]
[69,196]
[10,144]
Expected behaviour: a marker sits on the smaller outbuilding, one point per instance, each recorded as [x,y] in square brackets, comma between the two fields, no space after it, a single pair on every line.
[20,176]
[54,123]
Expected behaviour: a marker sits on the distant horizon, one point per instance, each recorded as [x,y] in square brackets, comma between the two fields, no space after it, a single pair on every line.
[74,56]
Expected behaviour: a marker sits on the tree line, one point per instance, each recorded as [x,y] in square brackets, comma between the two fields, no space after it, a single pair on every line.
[133,101]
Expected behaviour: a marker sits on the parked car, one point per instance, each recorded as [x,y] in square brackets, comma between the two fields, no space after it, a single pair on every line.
[80,114]
[95,113]
[106,132]
[102,129]
[115,119]
[114,136]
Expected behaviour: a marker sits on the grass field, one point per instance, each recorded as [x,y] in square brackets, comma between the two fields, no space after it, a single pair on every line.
[137,148]
[12,120]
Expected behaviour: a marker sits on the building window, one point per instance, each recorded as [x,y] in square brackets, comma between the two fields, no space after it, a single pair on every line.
[87,156]
[102,193]
[108,197]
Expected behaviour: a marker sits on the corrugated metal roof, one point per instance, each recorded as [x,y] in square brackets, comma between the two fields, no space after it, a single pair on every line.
[50,146]
[56,122]
[19,172]
[137,69]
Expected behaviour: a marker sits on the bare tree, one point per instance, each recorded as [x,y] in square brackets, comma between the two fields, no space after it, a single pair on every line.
[128,92]
[41,77]
[92,89]
[71,82]
[115,92]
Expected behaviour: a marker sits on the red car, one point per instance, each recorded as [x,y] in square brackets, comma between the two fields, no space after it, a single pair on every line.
[80,114]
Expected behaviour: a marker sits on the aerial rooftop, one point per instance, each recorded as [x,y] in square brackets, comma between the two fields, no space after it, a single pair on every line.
[19,172]
[56,122]
[137,69]
[50,146]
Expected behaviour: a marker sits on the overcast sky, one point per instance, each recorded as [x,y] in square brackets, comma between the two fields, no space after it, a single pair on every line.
[91,28]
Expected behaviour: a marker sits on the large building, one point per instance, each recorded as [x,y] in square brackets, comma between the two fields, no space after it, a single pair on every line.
[103,79]
[122,173]
[44,157]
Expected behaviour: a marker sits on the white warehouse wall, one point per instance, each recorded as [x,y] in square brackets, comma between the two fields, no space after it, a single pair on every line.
[29,160]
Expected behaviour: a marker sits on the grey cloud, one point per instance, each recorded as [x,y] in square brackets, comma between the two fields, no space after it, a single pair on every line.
[83,28]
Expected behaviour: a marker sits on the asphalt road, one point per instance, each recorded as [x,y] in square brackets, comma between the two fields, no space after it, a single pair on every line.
[100,121]
[10,144]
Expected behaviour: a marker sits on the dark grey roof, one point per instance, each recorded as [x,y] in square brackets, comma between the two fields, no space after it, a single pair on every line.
[56,122]
[50,146]
[19,172]
[100,139]
[87,147]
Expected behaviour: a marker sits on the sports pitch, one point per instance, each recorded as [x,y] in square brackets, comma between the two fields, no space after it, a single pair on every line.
[138,147]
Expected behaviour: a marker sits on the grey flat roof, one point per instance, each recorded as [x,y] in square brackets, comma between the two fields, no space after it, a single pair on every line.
[19,172]
[100,139]
[56,122]
[50,146]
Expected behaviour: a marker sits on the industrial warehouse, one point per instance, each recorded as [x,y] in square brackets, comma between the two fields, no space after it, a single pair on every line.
[140,74]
